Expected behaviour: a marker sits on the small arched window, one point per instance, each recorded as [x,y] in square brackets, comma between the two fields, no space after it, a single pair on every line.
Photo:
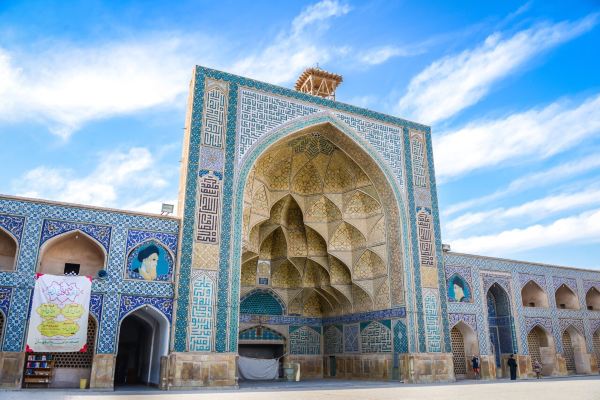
[8,251]
[458,289]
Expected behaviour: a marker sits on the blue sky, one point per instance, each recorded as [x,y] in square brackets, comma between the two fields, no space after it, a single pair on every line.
[92,101]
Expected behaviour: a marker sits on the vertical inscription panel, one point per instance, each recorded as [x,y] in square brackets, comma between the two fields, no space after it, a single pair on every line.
[214,121]
[201,314]
[209,207]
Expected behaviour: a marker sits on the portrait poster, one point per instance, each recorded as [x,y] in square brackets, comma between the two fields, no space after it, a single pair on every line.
[59,313]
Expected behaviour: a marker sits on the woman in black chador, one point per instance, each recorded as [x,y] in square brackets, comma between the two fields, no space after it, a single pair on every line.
[512,364]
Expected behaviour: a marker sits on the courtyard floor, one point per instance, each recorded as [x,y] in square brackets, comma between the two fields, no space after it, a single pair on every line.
[575,388]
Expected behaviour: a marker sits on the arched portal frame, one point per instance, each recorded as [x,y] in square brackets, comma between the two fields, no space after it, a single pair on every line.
[532,295]
[566,298]
[161,328]
[298,128]
[542,348]
[500,319]
[469,348]
[48,244]
[574,350]
[12,264]
[592,299]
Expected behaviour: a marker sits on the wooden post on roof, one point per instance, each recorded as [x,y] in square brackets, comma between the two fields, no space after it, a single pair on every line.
[318,82]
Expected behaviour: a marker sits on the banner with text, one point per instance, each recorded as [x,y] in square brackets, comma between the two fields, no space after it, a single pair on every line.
[59,313]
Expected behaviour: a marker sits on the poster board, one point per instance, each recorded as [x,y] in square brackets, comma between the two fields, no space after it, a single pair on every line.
[59,314]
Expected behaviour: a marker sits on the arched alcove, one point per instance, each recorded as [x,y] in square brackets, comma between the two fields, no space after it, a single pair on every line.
[574,351]
[592,299]
[533,295]
[8,251]
[464,345]
[566,299]
[143,340]
[73,247]
[308,210]
[500,321]
[541,348]
[596,345]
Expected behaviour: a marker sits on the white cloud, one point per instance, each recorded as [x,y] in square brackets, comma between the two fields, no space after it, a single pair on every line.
[292,51]
[534,134]
[531,181]
[530,211]
[380,55]
[66,86]
[583,228]
[455,82]
[130,179]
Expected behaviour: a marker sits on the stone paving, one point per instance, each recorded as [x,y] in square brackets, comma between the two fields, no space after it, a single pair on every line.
[584,388]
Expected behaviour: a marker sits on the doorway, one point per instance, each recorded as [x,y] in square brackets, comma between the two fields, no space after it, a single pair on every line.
[143,340]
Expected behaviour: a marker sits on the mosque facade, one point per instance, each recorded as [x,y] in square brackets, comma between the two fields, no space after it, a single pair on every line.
[308,231]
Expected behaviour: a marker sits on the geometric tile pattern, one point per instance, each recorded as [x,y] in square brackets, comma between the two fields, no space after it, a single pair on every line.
[333,338]
[5,295]
[130,303]
[201,314]
[434,339]
[485,272]
[209,206]
[305,340]
[136,236]
[400,337]
[262,333]
[262,302]
[110,229]
[13,225]
[351,338]
[52,228]
[376,337]
[469,319]
[96,306]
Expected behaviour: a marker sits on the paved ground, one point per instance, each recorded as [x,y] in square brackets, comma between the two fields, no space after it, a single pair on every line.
[585,388]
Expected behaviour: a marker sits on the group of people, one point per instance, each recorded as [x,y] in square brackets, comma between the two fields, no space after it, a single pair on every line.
[512,366]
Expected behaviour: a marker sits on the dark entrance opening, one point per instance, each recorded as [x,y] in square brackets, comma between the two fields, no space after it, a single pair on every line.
[264,351]
[135,342]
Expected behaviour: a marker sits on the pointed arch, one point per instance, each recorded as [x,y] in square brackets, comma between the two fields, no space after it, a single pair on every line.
[262,302]
[533,295]
[153,327]
[592,299]
[565,298]
[385,186]
[9,248]
[74,246]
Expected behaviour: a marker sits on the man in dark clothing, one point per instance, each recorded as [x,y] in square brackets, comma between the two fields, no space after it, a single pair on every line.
[512,364]
[475,365]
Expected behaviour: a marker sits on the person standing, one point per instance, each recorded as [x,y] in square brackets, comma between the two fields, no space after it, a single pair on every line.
[512,364]
[537,368]
[475,365]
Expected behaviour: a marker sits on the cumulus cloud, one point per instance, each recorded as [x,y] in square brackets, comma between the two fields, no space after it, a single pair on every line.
[66,85]
[130,179]
[530,211]
[531,181]
[582,228]
[295,49]
[534,134]
[455,82]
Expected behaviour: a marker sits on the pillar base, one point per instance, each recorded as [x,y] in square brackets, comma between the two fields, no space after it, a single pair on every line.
[488,367]
[376,366]
[427,367]
[103,372]
[12,365]
[197,370]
